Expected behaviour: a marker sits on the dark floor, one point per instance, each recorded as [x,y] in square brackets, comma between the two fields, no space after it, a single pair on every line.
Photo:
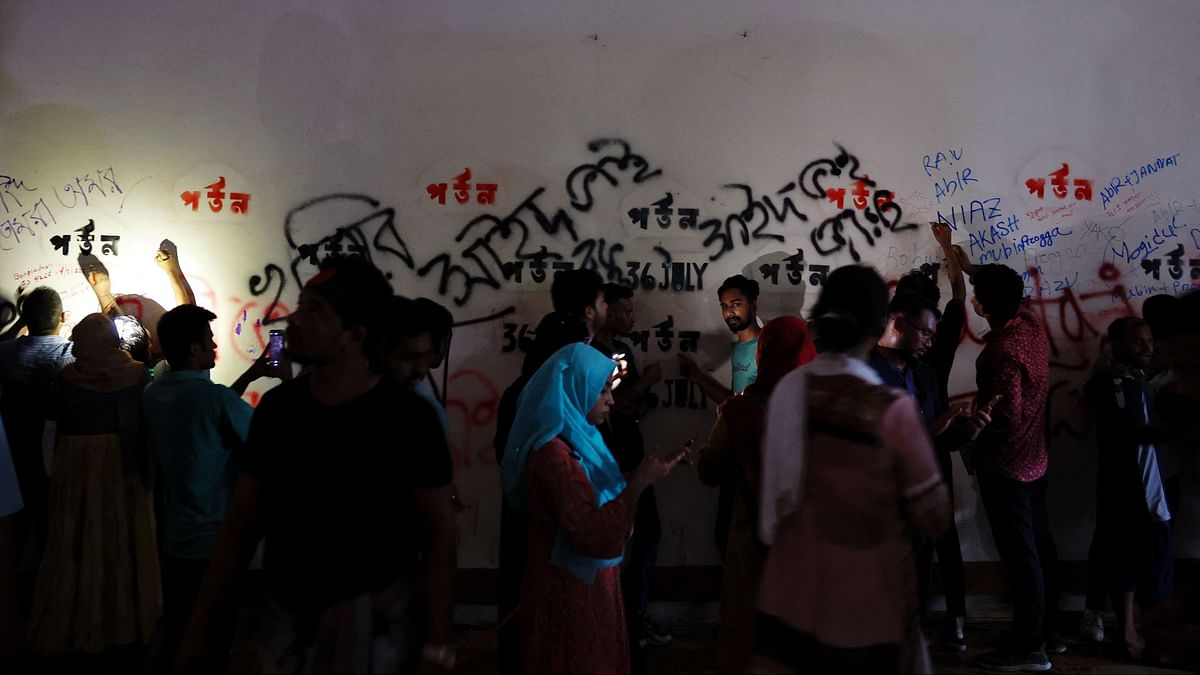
[694,652]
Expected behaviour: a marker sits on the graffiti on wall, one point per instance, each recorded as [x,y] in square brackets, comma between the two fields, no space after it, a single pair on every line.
[494,251]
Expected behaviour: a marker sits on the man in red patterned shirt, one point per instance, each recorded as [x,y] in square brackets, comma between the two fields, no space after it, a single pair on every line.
[1012,376]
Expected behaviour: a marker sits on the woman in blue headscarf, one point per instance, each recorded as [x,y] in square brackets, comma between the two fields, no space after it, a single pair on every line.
[557,467]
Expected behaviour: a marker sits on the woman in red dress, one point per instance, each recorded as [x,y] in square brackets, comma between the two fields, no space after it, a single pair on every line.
[581,510]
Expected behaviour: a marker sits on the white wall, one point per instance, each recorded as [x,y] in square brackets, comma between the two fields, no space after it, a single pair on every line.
[376,100]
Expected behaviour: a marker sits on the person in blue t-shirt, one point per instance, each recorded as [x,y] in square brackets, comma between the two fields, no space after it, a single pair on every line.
[196,430]
[739,308]
[28,366]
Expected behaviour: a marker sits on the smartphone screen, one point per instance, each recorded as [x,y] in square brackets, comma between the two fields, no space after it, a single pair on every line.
[274,347]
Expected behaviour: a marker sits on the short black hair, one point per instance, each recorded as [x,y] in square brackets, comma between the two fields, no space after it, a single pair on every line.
[573,291]
[853,307]
[909,303]
[359,290]
[134,337]
[614,292]
[1161,313]
[918,282]
[999,289]
[41,309]
[181,328]
[555,331]
[402,319]
[436,317]
[1121,326]
[748,287]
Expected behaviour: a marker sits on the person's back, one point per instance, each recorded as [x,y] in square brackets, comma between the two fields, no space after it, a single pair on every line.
[30,362]
[98,584]
[836,569]
[338,490]
[194,426]
[848,478]
[28,367]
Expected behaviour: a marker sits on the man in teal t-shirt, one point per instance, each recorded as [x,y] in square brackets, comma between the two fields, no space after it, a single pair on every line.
[744,363]
[739,307]
[196,428]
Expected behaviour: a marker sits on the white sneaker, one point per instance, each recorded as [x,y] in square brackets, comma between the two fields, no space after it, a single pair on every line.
[1091,625]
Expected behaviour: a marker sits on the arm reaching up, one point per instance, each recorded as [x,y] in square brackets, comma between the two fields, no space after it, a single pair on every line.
[167,258]
[97,277]
[954,266]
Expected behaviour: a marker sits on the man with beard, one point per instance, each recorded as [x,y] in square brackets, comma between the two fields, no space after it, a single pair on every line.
[899,359]
[739,308]
[1132,543]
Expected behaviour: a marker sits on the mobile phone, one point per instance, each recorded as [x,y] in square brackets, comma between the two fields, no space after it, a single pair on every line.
[274,347]
[992,403]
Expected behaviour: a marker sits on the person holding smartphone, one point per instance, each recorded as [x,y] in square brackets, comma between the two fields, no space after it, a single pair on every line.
[1012,375]
[558,470]
[899,358]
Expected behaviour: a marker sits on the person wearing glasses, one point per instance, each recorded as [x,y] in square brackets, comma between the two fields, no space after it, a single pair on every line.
[899,360]
[911,326]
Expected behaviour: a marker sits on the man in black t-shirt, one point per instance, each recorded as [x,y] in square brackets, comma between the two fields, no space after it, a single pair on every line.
[347,477]
[623,435]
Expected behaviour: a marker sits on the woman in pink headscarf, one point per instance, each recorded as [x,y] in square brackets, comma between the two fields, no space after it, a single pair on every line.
[734,449]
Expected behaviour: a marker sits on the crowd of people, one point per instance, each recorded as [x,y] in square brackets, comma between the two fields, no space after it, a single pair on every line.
[135,492]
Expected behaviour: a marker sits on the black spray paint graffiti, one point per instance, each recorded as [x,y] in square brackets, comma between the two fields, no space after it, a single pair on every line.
[494,249]
[675,275]
[360,213]
[832,235]
[584,175]
[491,256]
[490,240]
